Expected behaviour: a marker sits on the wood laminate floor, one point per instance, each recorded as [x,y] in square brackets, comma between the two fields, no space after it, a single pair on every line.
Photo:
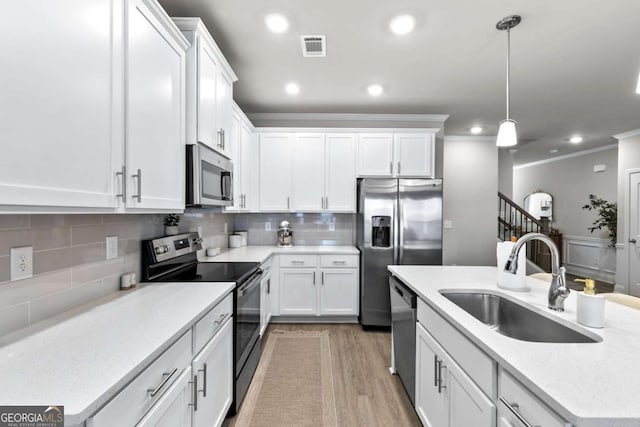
[366,393]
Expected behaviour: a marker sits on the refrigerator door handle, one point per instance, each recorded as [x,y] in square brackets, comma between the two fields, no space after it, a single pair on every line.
[395,241]
[400,222]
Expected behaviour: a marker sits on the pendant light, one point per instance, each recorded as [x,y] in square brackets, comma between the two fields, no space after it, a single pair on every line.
[507,136]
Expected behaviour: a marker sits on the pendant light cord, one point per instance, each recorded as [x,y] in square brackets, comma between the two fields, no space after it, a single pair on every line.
[508,67]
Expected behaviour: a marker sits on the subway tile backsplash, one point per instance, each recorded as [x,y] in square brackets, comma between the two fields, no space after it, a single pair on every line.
[70,266]
[308,228]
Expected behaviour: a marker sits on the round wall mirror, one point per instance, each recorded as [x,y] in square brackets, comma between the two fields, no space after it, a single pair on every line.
[539,205]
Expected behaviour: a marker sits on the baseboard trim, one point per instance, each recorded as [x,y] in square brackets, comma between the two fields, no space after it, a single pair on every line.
[314,319]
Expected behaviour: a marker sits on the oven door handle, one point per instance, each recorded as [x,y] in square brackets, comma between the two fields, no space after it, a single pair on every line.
[252,283]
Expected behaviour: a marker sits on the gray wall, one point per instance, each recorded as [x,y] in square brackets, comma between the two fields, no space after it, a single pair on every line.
[628,158]
[570,181]
[70,268]
[308,228]
[505,172]
[470,200]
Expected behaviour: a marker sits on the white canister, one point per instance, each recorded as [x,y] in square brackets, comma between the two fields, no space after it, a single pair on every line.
[244,235]
[590,310]
[235,240]
[506,280]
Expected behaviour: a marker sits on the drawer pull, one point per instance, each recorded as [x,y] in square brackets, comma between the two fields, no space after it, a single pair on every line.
[297,262]
[513,407]
[166,376]
[340,262]
[221,319]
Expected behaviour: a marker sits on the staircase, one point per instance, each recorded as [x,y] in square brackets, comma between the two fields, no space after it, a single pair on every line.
[513,220]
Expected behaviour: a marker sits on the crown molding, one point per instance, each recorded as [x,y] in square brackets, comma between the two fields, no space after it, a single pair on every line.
[568,156]
[168,23]
[349,117]
[629,134]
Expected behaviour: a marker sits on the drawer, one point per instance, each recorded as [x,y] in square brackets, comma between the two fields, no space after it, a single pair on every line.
[207,327]
[524,403]
[135,399]
[298,261]
[476,363]
[339,261]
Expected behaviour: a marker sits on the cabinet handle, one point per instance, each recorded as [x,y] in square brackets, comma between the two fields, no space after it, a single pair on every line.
[322,278]
[244,201]
[123,177]
[224,139]
[195,393]
[138,176]
[166,376]
[220,132]
[314,278]
[440,386]
[204,381]
[269,286]
[513,407]
[326,203]
[391,168]
[435,371]
[398,168]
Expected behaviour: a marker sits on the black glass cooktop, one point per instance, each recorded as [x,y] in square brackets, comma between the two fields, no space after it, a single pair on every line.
[213,272]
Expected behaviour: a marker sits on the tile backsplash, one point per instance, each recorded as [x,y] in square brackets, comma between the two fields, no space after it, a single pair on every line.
[69,258]
[308,228]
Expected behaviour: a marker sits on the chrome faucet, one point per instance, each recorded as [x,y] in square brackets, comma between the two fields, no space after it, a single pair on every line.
[558,290]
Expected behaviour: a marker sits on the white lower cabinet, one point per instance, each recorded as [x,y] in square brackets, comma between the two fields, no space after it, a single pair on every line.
[213,379]
[174,407]
[518,406]
[265,298]
[318,285]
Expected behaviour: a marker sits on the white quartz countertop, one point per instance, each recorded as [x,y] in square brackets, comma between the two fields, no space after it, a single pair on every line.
[595,384]
[83,360]
[262,253]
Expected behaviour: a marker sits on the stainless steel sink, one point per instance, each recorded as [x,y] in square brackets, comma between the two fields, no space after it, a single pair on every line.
[514,320]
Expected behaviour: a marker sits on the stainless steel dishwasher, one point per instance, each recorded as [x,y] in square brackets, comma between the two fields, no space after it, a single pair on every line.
[403,328]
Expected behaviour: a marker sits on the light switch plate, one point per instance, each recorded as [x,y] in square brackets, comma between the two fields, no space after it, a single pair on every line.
[21,262]
[448,224]
[267,226]
[112,247]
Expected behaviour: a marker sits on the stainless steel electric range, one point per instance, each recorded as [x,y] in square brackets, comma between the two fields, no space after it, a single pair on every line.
[174,259]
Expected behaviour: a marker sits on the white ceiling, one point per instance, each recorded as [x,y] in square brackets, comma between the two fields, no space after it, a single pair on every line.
[575,63]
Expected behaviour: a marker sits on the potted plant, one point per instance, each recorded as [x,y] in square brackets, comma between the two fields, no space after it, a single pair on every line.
[171,223]
[607,217]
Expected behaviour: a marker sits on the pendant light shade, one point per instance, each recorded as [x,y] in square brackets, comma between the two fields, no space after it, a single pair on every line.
[507,135]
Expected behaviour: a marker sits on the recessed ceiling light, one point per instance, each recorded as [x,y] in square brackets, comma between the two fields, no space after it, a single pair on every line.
[375,90]
[402,24]
[476,130]
[292,89]
[575,139]
[276,23]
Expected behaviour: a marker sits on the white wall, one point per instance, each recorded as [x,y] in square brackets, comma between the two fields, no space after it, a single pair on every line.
[570,181]
[505,172]
[470,197]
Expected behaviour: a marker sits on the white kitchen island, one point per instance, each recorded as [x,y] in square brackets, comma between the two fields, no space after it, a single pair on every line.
[591,384]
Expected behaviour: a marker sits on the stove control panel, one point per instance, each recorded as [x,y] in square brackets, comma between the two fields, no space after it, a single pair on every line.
[166,248]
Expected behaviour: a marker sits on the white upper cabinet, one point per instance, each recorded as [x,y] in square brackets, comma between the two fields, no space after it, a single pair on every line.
[61,104]
[340,172]
[209,94]
[244,152]
[115,91]
[396,155]
[375,154]
[308,172]
[275,171]
[154,110]
[414,154]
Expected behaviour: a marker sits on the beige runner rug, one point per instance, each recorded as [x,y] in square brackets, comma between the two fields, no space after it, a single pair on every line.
[293,384]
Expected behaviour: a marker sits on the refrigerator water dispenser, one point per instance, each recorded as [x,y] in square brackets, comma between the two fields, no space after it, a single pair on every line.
[381,231]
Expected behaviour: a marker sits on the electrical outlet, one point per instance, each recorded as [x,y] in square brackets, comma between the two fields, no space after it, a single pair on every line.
[332,226]
[112,247]
[448,224]
[200,230]
[267,226]
[21,262]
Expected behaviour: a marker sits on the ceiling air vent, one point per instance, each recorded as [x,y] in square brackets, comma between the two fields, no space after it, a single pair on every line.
[313,46]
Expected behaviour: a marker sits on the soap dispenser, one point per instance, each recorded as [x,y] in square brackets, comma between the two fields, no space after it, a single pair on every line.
[590,310]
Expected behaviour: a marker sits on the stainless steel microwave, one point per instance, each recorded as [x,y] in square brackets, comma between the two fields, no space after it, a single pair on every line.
[209,177]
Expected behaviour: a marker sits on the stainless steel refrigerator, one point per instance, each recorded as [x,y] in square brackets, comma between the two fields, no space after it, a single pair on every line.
[399,222]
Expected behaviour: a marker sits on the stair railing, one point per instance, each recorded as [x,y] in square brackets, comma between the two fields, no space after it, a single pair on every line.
[513,220]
